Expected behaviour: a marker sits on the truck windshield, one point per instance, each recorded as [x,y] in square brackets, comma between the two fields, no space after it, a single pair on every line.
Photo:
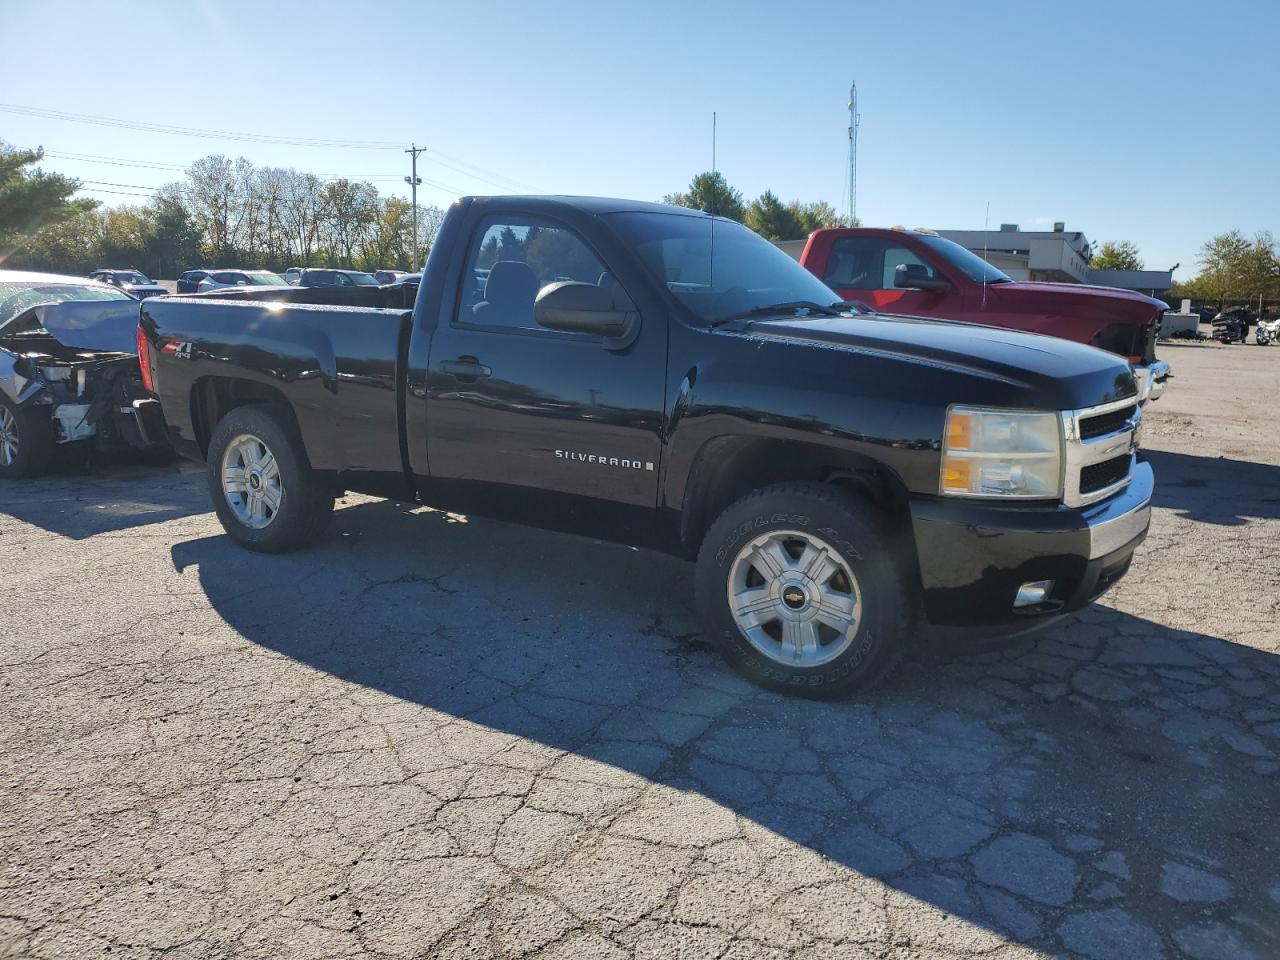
[736,274]
[968,263]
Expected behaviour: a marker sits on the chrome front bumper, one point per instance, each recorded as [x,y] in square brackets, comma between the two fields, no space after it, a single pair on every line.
[1151,379]
[1124,518]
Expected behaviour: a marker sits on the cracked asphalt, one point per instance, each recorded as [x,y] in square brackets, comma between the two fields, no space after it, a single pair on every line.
[440,737]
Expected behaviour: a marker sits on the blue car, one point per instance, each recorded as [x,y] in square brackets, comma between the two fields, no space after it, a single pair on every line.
[189,282]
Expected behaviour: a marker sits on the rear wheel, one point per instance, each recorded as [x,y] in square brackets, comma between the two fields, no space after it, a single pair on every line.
[262,486]
[801,591]
[26,440]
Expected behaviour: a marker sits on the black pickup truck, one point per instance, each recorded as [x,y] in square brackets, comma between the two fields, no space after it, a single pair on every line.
[659,377]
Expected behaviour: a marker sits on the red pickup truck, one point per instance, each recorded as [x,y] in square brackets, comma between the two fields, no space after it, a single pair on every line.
[918,273]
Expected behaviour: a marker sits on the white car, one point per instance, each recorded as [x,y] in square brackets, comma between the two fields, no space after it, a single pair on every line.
[69,370]
[221,279]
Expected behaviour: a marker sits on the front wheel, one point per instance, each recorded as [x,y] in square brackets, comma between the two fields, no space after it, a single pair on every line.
[263,489]
[801,591]
[26,440]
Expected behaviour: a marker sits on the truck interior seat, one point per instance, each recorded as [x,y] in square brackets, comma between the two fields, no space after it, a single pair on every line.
[508,295]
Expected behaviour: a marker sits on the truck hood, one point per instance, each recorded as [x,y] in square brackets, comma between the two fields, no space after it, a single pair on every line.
[1078,295]
[1064,373]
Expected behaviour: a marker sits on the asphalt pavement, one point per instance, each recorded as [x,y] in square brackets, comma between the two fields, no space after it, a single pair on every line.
[438,736]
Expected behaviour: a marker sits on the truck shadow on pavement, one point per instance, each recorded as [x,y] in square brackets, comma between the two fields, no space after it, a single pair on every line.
[1106,788]
[117,495]
[1215,489]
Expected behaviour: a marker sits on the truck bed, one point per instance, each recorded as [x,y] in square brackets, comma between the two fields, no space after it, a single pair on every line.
[339,368]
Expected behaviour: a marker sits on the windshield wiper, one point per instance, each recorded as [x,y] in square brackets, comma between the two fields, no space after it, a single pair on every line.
[789,307]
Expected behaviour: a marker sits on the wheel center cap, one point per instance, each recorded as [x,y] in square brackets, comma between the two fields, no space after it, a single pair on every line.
[255,481]
[794,597]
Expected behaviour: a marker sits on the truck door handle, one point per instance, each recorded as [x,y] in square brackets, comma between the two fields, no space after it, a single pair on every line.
[465,368]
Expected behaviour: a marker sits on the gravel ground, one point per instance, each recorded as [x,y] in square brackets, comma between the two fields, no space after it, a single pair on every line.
[445,738]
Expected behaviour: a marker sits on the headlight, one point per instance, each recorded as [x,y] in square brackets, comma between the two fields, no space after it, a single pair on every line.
[1001,453]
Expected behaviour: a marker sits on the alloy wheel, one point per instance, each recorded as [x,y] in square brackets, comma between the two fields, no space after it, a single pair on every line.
[8,438]
[251,481]
[795,598]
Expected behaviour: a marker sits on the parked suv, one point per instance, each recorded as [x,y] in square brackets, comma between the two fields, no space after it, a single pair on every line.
[133,282]
[189,282]
[324,277]
[219,279]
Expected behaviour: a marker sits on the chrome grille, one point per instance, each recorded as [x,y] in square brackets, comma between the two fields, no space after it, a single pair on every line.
[1099,476]
[1098,454]
[1103,423]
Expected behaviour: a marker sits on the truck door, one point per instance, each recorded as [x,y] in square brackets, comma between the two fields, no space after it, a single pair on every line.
[862,268]
[532,411]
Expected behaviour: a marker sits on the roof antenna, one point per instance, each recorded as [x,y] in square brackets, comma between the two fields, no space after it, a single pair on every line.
[715,208]
[986,224]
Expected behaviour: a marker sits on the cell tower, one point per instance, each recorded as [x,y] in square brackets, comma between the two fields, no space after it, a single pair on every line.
[854,118]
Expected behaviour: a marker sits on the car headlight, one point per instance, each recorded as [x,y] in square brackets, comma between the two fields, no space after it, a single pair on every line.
[1001,453]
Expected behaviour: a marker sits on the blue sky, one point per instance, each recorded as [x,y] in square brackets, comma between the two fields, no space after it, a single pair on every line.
[1153,122]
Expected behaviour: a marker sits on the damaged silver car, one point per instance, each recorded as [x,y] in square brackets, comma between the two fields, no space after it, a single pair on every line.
[69,371]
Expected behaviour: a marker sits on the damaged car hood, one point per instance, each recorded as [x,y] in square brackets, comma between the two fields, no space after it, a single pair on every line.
[101,325]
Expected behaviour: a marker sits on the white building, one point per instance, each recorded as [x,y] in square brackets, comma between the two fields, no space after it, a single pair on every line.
[1056,255]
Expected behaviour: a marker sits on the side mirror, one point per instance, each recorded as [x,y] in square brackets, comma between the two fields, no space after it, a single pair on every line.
[242,283]
[578,307]
[916,276]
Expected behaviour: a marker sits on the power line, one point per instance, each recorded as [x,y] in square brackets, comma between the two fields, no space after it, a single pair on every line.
[457,164]
[107,183]
[149,127]
[113,161]
[121,193]
[327,177]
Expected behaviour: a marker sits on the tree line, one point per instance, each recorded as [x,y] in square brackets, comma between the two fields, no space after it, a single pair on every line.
[227,212]
[223,213]
[766,215]
[1234,269]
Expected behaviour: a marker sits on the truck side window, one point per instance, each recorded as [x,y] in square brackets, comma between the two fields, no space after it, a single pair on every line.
[893,258]
[511,260]
[867,263]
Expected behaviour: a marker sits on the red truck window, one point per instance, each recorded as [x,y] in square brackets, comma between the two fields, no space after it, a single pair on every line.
[867,263]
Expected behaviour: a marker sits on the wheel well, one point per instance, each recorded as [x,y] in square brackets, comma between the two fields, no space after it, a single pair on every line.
[212,398]
[728,468]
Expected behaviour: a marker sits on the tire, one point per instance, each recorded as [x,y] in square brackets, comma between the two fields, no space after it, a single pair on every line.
[271,500]
[789,641]
[26,440]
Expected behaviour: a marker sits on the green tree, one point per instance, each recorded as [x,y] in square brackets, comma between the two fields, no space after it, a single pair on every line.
[67,246]
[710,192]
[123,233]
[171,240]
[767,216]
[1260,269]
[818,215]
[510,247]
[488,253]
[1223,260]
[1113,255]
[31,199]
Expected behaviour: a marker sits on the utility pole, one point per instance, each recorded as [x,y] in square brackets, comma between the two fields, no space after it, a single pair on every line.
[413,182]
[854,118]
